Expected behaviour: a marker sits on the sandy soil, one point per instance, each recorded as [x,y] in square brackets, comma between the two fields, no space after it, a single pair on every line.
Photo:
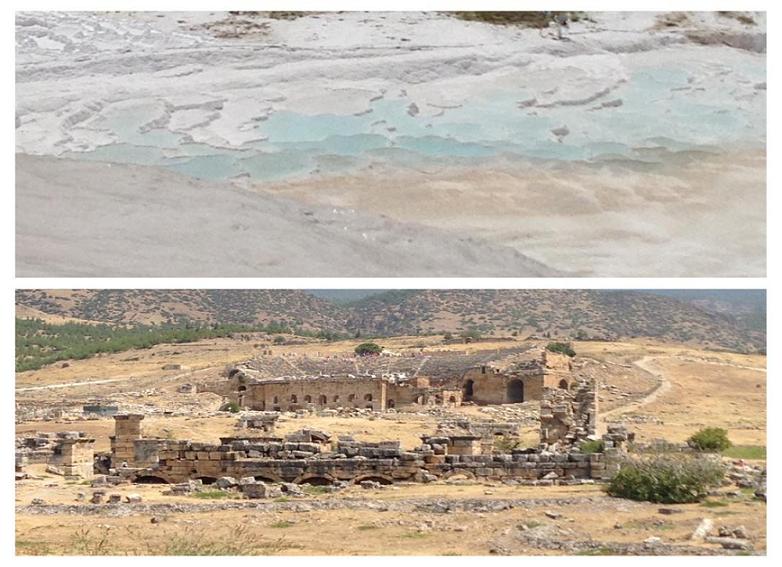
[697,389]
[272,530]
[599,219]
[76,218]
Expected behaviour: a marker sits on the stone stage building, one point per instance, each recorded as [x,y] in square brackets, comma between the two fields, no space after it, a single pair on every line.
[377,393]
[522,383]
[485,384]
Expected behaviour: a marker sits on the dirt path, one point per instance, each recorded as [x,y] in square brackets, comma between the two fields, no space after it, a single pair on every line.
[70,384]
[108,381]
[647,364]
[663,386]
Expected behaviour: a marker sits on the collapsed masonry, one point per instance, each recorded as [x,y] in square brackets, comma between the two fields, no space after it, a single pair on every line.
[314,457]
[568,416]
[68,453]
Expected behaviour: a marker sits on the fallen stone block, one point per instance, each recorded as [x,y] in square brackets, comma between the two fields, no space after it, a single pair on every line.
[261,490]
[703,529]
[729,542]
[226,482]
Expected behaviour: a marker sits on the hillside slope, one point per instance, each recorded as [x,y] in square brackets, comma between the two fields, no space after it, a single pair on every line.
[560,313]
[605,314]
[297,308]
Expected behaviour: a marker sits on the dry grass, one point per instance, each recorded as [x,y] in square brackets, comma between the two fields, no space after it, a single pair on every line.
[401,533]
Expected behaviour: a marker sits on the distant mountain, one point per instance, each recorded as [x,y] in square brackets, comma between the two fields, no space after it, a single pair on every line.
[292,307]
[562,313]
[602,314]
[343,296]
[747,306]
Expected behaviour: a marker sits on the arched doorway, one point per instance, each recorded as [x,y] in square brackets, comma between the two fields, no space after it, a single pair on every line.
[149,480]
[563,385]
[468,388]
[515,392]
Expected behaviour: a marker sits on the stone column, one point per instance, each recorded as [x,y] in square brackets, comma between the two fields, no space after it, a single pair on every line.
[127,429]
[78,457]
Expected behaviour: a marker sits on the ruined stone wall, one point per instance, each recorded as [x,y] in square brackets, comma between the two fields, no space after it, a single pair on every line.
[407,394]
[127,429]
[400,395]
[70,453]
[129,449]
[492,387]
[556,361]
[283,461]
[317,393]
[569,416]
[76,457]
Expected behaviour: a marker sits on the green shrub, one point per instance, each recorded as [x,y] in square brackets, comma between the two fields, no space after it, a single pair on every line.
[282,524]
[505,444]
[562,348]
[232,407]
[593,446]
[667,479]
[368,349]
[713,439]
[213,495]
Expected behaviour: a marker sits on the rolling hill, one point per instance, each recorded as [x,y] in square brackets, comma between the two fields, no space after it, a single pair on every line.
[601,314]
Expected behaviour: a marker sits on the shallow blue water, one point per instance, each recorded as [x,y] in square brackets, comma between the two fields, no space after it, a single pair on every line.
[659,108]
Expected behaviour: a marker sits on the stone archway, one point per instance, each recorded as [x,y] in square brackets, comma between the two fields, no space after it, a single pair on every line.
[563,385]
[149,479]
[267,478]
[468,390]
[315,479]
[515,393]
[376,477]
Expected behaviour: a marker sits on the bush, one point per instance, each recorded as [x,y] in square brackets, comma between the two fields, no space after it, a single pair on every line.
[470,334]
[593,446]
[712,439]
[232,407]
[667,479]
[365,349]
[506,444]
[562,348]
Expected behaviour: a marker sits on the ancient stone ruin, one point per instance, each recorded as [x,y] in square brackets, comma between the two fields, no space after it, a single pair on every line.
[315,457]
[485,384]
[68,453]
